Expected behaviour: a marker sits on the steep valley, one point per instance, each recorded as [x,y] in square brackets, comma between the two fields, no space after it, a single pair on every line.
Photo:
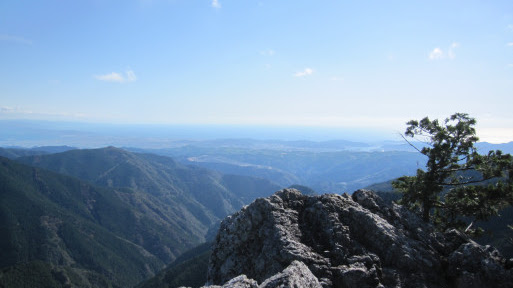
[110,214]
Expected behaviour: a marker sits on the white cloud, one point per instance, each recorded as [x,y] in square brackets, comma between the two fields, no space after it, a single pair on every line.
[8,112]
[437,53]
[305,72]
[6,109]
[216,4]
[129,76]
[112,77]
[509,44]
[15,39]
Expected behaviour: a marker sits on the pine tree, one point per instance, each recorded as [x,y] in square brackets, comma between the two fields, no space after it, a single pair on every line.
[459,186]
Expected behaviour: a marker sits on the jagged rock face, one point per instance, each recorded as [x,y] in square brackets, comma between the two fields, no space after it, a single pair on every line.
[346,241]
[297,275]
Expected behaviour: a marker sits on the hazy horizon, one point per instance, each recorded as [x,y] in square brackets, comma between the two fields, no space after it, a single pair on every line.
[343,65]
[34,133]
[29,132]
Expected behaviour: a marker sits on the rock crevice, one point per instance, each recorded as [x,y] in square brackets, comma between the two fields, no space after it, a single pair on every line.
[293,240]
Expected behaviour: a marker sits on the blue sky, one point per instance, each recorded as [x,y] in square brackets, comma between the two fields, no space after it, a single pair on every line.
[369,64]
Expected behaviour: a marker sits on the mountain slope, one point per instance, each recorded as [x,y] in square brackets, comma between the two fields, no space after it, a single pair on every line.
[191,187]
[64,222]
[324,171]
[149,211]
[13,153]
[189,270]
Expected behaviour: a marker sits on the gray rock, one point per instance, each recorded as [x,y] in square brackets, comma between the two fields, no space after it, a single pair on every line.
[346,241]
[296,275]
[241,282]
[473,265]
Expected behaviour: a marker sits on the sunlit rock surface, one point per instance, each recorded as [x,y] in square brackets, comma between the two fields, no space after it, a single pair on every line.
[294,240]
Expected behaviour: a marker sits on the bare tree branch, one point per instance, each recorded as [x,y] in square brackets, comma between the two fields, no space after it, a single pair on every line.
[411,144]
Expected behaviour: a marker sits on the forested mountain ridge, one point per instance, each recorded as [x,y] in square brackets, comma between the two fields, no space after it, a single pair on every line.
[160,176]
[150,208]
[51,222]
[324,171]
[16,152]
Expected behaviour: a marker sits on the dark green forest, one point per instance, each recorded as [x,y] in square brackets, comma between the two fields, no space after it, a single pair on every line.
[107,228]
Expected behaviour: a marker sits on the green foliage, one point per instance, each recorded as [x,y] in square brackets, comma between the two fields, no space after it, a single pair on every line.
[455,188]
[39,274]
[207,195]
[140,212]
[60,221]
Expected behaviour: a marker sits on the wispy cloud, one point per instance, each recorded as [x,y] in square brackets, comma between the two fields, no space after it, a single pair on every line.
[112,77]
[129,76]
[216,4]
[268,52]
[437,53]
[9,112]
[15,39]
[7,109]
[450,53]
[509,44]
[305,72]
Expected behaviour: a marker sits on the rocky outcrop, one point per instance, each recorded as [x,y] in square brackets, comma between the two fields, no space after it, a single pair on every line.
[294,240]
[294,276]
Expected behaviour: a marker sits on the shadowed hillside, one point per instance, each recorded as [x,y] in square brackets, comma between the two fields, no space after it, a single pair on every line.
[63,222]
[149,211]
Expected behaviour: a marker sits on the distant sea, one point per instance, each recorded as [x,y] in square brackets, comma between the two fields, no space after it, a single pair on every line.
[29,133]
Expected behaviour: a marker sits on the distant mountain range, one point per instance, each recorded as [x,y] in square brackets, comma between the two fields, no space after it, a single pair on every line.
[325,172]
[15,152]
[108,216]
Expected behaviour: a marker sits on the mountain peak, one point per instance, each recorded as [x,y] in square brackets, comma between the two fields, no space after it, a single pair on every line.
[348,241]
